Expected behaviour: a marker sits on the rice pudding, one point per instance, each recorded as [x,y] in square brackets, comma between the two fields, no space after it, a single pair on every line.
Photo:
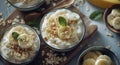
[62,29]
[19,44]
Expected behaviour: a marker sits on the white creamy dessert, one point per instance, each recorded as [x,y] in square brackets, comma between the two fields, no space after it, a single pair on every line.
[114,19]
[25,3]
[96,58]
[19,44]
[62,29]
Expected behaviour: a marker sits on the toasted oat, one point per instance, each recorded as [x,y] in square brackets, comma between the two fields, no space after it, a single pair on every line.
[118,44]
[1,14]
[108,47]
[109,34]
[87,8]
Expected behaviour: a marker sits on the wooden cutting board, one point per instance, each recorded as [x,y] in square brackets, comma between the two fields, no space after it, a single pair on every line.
[90,31]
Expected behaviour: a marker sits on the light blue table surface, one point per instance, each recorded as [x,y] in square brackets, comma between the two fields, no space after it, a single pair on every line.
[100,38]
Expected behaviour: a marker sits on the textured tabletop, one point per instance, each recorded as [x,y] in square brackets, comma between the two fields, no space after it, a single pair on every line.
[101,38]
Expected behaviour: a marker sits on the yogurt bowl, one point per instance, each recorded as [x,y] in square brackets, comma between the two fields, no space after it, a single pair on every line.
[25,5]
[19,44]
[62,29]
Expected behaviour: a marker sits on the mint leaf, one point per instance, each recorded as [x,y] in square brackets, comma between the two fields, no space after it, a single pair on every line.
[96,15]
[62,21]
[15,35]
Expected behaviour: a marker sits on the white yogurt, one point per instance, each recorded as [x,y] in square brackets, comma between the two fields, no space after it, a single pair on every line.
[73,31]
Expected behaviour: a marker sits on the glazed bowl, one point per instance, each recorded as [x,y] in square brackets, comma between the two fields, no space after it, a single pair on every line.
[25,6]
[18,50]
[101,49]
[106,13]
[63,48]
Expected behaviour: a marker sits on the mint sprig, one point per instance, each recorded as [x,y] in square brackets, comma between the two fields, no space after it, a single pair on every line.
[62,21]
[15,35]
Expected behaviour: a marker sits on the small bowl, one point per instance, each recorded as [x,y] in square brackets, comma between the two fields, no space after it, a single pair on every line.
[28,60]
[67,49]
[26,7]
[106,13]
[101,49]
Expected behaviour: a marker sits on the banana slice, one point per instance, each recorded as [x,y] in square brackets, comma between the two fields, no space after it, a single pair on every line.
[102,62]
[91,55]
[110,19]
[116,23]
[89,62]
[24,41]
[105,57]
[65,32]
[115,12]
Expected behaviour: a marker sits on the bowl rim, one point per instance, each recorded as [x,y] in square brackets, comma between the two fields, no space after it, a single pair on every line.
[68,49]
[24,25]
[96,48]
[106,13]
[35,6]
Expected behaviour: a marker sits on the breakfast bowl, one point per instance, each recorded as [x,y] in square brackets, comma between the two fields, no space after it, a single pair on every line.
[62,29]
[112,18]
[26,5]
[19,45]
[97,55]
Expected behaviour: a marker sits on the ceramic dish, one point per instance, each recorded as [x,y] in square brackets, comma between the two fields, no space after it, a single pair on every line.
[25,5]
[106,13]
[59,40]
[96,53]
[20,44]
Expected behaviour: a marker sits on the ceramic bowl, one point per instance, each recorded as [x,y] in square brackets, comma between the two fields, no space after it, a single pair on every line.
[27,60]
[66,49]
[106,13]
[24,7]
[101,49]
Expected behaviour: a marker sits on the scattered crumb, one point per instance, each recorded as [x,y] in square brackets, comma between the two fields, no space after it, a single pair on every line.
[43,52]
[18,17]
[53,58]
[54,4]
[87,8]
[108,47]
[79,2]
[118,44]
[8,4]
[109,34]
[1,14]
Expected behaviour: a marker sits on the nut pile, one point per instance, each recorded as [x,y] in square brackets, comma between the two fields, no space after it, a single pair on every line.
[52,58]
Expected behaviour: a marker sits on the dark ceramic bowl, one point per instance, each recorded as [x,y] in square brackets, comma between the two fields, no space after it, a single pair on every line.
[27,7]
[106,13]
[6,61]
[101,49]
[67,49]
